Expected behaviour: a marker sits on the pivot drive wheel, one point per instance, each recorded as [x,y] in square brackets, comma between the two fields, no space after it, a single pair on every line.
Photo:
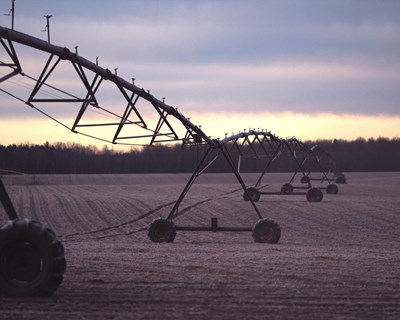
[287,188]
[332,189]
[32,260]
[266,231]
[305,179]
[341,179]
[314,195]
[251,193]
[162,230]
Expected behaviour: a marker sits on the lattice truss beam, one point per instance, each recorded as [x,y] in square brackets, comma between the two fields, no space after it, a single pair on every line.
[93,117]
[258,144]
[308,160]
[326,161]
[14,64]
[252,144]
[268,148]
[164,124]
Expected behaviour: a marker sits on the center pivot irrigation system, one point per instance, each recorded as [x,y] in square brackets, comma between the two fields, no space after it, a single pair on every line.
[300,155]
[32,260]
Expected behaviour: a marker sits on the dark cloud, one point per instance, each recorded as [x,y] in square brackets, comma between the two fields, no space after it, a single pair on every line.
[201,46]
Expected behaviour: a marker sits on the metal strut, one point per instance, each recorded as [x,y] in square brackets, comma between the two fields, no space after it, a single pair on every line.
[239,178]
[164,130]
[6,202]
[225,148]
[328,164]
[15,66]
[201,167]
[307,154]
[197,172]
[292,153]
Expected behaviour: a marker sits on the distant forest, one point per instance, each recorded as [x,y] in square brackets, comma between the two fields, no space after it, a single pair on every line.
[360,155]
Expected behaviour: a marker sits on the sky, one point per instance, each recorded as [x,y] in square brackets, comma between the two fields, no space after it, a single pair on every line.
[306,68]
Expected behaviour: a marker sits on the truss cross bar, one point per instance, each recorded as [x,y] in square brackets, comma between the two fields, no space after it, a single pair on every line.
[58,100]
[8,76]
[124,120]
[90,96]
[3,64]
[43,76]
[267,165]
[251,145]
[190,138]
[261,142]
[163,119]
[89,87]
[11,52]
[293,155]
[104,124]
[13,55]
[239,178]
[150,136]
[243,143]
[189,184]
[308,152]
[324,174]
[209,164]
[130,107]
[235,145]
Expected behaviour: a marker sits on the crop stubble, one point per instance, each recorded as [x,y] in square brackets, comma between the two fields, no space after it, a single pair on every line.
[338,259]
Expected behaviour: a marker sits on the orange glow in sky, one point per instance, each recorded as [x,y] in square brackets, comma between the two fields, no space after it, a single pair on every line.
[300,68]
[304,127]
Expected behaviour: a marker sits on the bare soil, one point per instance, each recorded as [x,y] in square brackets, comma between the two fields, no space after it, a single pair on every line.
[338,259]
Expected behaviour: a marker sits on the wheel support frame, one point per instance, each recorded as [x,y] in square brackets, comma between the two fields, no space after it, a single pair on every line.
[6,202]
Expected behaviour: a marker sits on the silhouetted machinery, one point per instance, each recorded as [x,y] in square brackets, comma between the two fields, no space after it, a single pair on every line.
[32,260]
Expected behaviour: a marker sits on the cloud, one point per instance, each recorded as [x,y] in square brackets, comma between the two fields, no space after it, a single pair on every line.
[296,56]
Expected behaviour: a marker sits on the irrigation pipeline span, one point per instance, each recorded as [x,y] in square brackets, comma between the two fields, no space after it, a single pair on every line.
[129,90]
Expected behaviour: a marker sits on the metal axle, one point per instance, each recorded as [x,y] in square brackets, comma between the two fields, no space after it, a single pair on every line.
[214,228]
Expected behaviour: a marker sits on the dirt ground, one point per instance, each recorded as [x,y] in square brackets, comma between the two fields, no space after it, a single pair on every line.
[338,259]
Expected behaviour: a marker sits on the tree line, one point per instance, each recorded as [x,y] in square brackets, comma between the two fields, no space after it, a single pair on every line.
[360,155]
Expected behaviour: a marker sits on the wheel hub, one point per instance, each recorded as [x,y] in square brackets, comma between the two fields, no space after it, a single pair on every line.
[21,262]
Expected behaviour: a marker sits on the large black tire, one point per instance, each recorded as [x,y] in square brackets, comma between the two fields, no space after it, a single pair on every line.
[266,231]
[314,195]
[32,260]
[252,193]
[340,179]
[332,189]
[305,179]
[162,230]
[287,188]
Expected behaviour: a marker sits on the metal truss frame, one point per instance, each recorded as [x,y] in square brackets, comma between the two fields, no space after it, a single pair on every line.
[254,143]
[83,67]
[264,231]
[278,148]
[14,65]
[329,165]
[304,155]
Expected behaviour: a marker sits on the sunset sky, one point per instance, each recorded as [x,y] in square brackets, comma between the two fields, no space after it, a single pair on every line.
[311,69]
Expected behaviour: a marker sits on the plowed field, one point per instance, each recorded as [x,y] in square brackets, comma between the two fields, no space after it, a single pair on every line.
[338,259]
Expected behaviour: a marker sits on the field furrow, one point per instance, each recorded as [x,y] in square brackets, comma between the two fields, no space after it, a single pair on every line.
[337,259]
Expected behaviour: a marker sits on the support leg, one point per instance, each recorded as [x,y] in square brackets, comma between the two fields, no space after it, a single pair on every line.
[6,202]
[239,178]
[189,184]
